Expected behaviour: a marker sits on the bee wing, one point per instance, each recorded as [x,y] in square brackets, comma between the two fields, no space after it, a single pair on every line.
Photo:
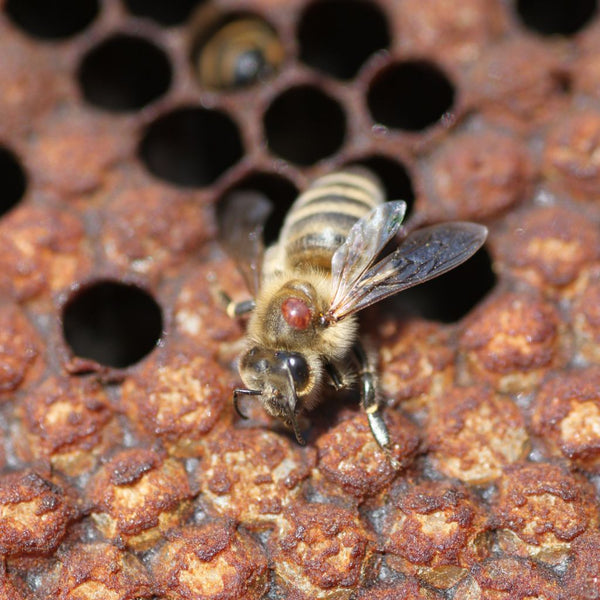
[244,216]
[364,243]
[424,254]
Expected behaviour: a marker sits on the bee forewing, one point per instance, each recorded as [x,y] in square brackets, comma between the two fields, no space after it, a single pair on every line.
[364,242]
[244,217]
[425,254]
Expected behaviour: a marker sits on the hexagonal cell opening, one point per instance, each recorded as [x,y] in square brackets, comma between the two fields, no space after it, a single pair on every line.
[280,191]
[562,17]
[236,51]
[337,36]
[13,180]
[394,177]
[52,20]
[304,125]
[112,323]
[410,95]
[124,73]
[164,12]
[191,146]
[451,296]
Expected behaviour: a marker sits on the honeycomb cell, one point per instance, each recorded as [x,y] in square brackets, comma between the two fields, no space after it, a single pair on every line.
[519,83]
[473,433]
[585,318]
[540,509]
[191,146]
[153,241]
[566,416]
[52,21]
[477,175]
[337,36]
[304,125]
[320,551]
[584,573]
[68,422]
[416,361]
[251,475]
[42,250]
[112,324]
[279,190]
[510,579]
[511,341]
[35,512]
[177,397]
[450,31]
[137,496]
[563,17]
[408,589]
[13,180]
[124,73]
[349,456]
[20,351]
[435,531]
[87,571]
[211,562]
[571,159]
[410,95]
[235,52]
[168,13]
[552,248]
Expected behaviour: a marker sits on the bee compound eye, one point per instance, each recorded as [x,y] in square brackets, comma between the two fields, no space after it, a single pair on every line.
[296,313]
[299,370]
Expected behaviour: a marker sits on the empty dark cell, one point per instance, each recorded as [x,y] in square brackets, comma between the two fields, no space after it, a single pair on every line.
[165,12]
[52,20]
[550,17]
[410,95]
[393,176]
[451,296]
[337,36]
[280,191]
[304,125]
[191,146]
[124,73]
[113,323]
[13,180]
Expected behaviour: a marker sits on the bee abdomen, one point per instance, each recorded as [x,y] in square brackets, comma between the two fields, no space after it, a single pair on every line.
[322,216]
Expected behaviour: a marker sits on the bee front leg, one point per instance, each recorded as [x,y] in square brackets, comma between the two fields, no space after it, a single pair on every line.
[234,309]
[370,402]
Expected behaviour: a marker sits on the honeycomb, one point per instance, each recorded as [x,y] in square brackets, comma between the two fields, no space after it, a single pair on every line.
[125,471]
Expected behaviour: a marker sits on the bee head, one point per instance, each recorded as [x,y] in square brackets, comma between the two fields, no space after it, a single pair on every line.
[278,377]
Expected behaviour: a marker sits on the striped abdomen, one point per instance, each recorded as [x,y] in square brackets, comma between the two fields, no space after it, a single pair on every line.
[322,216]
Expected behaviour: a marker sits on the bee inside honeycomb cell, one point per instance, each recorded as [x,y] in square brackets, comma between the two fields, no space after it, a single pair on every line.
[156,385]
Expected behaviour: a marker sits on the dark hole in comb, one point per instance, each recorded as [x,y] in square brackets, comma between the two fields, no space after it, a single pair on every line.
[550,17]
[410,95]
[164,12]
[52,20]
[337,36]
[113,323]
[191,146]
[13,180]
[304,125]
[279,190]
[451,296]
[124,73]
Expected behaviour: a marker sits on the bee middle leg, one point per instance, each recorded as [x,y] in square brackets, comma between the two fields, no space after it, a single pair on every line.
[232,308]
[370,402]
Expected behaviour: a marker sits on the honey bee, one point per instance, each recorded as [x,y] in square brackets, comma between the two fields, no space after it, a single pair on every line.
[238,53]
[309,286]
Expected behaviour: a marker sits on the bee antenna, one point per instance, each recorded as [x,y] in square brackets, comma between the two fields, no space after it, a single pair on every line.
[236,397]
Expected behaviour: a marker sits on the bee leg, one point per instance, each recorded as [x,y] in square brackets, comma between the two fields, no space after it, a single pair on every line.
[370,403]
[235,309]
[335,376]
